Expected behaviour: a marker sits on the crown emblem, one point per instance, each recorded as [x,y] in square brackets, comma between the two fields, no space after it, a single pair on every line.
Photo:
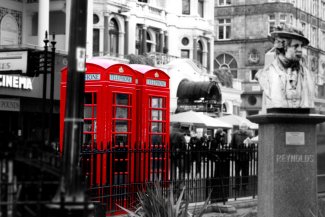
[156,75]
[121,70]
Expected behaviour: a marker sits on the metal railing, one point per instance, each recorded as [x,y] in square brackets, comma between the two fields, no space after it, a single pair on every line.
[114,174]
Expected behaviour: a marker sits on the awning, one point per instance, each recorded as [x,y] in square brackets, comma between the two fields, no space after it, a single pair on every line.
[198,119]
[194,90]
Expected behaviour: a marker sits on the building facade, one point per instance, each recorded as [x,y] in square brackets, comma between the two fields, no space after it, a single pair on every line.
[242,28]
[161,30]
[241,44]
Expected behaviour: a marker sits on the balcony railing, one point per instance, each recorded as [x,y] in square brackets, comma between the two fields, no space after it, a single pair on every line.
[161,58]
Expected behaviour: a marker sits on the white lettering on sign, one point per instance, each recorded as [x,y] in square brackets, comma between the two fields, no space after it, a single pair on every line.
[10,105]
[156,83]
[92,77]
[121,78]
[81,59]
[295,138]
[16,60]
[294,158]
[17,82]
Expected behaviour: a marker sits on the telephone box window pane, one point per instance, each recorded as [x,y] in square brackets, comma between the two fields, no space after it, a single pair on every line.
[156,103]
[121,112]
[156,139]
[87,112]
[121,139]
[122,99]
[88,99]
[156,127]
[121,126]
[156,115]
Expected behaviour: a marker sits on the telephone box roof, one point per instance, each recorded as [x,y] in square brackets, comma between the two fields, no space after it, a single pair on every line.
[105,63]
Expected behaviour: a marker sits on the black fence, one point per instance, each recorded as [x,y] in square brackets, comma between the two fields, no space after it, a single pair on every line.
[30,174]
[115,175]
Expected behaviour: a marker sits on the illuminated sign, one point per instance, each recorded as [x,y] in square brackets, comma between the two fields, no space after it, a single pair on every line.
[156,83]
[13,60]
[121,78]
[17,82]
[92,77]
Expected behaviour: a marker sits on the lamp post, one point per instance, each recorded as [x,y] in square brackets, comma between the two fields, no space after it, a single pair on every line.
[70,192]
[53,42]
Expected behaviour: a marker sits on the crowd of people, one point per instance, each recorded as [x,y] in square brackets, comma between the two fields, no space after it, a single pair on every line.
[188,151]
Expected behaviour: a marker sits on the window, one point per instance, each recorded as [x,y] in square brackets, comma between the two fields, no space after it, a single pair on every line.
[200,52]
[144,1]
[271,22]
[314,7]
[322,40]
[200,8]
[224,2]
[282,20]
[304,29]
[253,73]
[225,63]
[113,37]
[186,7]
[224,29]
[313,36]
[90,118]
[185,54]
[323,10]
[96,42]
[185,41]
[95,19]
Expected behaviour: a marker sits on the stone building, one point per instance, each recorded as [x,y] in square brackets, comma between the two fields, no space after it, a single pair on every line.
[242,28]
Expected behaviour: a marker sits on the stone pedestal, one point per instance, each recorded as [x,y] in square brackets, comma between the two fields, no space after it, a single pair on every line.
[287,162]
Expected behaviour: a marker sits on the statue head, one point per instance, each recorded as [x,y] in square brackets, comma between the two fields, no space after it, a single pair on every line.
[288,41]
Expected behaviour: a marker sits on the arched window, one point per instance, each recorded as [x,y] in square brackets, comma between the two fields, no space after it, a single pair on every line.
[200,52]
[113,37]
[226,63]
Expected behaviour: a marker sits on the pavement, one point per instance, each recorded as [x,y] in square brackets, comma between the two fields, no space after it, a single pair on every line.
[244,207]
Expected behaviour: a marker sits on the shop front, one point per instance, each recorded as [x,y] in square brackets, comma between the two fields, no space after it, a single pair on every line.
[24,113]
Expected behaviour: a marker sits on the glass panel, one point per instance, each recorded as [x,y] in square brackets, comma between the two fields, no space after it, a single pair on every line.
[120,139]
[186,7]
[122,99]
[121,112]
[88,98]
[156,103]
[228,32]
[156,115]
[156,139]
[121,126]
[88,126]
[221,32]
[156,127]
[87,111]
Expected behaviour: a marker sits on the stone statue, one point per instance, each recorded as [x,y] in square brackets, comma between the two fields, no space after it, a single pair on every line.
[286,82]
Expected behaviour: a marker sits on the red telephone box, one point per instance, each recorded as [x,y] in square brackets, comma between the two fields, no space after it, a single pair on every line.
[153,102]
[125,111]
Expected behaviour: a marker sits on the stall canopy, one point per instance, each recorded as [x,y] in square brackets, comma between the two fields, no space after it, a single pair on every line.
[194,90]
[198,119]
[236,120]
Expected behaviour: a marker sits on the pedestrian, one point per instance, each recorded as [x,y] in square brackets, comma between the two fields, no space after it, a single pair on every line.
[239,144]
[178,152]
[195,147]
[221,156]
[286,82]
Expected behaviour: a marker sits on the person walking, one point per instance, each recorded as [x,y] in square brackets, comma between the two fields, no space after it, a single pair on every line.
[239,144]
